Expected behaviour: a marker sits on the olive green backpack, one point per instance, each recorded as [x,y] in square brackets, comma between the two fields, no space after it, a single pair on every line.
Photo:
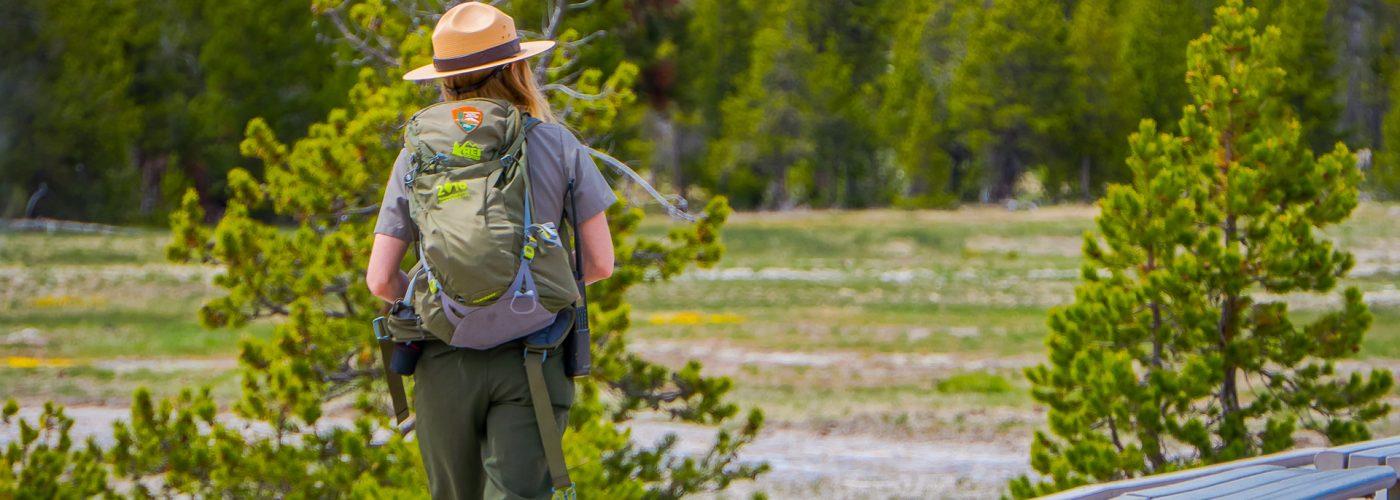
[488,271]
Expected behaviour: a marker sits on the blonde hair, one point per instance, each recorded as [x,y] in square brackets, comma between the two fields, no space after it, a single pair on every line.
[515,84]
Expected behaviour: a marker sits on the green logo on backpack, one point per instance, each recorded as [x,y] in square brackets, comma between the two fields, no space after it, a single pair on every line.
[467,149]
[451,191]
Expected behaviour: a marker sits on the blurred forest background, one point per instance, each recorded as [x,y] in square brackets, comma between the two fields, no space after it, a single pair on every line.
[110,110]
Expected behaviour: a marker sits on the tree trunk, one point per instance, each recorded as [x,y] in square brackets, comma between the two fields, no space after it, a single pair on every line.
[1084,187]
[958,157]
[199,173]
[1154,453]
[152,171]
[1362,23]
[1229,394]
[1008,170]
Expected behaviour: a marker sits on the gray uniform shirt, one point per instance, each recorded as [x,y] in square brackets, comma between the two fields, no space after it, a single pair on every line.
[554,156]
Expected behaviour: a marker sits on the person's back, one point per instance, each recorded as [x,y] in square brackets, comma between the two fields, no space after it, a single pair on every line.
[476,402]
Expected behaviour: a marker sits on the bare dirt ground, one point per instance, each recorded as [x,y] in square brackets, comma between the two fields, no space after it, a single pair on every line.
[805,463]
[951,452]
[808,464]
[894,447]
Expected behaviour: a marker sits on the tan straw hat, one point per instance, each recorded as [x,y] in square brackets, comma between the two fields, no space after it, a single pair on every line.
[474,36]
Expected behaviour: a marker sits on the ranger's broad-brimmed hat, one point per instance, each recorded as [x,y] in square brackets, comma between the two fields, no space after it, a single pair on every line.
[474,36]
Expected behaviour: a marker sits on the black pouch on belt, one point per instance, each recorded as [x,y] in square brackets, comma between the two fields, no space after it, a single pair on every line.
[578,355]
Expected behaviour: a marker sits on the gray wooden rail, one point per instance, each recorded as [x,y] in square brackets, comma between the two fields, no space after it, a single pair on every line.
[1274,482]
[1368,452]
[1354,470]
[1381,452]
[1291,458]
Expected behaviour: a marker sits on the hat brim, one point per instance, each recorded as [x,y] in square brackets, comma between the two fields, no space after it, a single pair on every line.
[527,49]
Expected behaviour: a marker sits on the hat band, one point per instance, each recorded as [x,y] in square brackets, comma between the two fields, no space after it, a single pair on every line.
[475,59]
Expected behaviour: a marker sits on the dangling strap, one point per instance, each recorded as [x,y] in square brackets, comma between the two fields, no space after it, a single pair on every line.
[544,419]
[534,359]
[395,381]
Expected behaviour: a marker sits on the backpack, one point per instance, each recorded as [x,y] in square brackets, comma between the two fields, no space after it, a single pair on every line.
[488,272]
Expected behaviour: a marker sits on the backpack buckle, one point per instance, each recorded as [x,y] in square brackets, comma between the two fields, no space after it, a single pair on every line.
[570,493]
[507,161]
[546,232]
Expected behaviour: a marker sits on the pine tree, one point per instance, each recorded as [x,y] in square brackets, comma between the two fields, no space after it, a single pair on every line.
[925,51]
[717,50]
[1368,58]
[156,100]
[798,125]
[850,39]
[256,58]
[1155,37]
[1384,177]
[910,107]
[765,151]
[82,122]
[1012,95]
[23,72]
[1104,98]
[1308,58]
[43,462]
[1172,355]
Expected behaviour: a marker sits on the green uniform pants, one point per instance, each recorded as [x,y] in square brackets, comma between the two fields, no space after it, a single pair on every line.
[476,427]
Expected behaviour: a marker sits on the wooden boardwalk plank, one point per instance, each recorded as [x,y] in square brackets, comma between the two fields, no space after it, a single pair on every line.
[1202,482]
[1323,485]
[1237,485]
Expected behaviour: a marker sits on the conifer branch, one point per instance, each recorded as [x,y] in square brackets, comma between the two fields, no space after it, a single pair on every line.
[550,32]
[361,44]
[573,93]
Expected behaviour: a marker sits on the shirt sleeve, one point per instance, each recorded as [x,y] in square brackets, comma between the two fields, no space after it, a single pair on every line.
[393,211]
[593,193]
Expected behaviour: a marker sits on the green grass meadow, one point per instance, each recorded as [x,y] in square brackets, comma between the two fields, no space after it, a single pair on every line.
[85,319]
[860,293]
[889,323]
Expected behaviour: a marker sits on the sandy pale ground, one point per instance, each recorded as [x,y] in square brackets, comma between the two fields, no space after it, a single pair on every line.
[804,463]
[807,464]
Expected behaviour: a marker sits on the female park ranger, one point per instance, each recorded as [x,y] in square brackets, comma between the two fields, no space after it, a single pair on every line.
[476,427]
